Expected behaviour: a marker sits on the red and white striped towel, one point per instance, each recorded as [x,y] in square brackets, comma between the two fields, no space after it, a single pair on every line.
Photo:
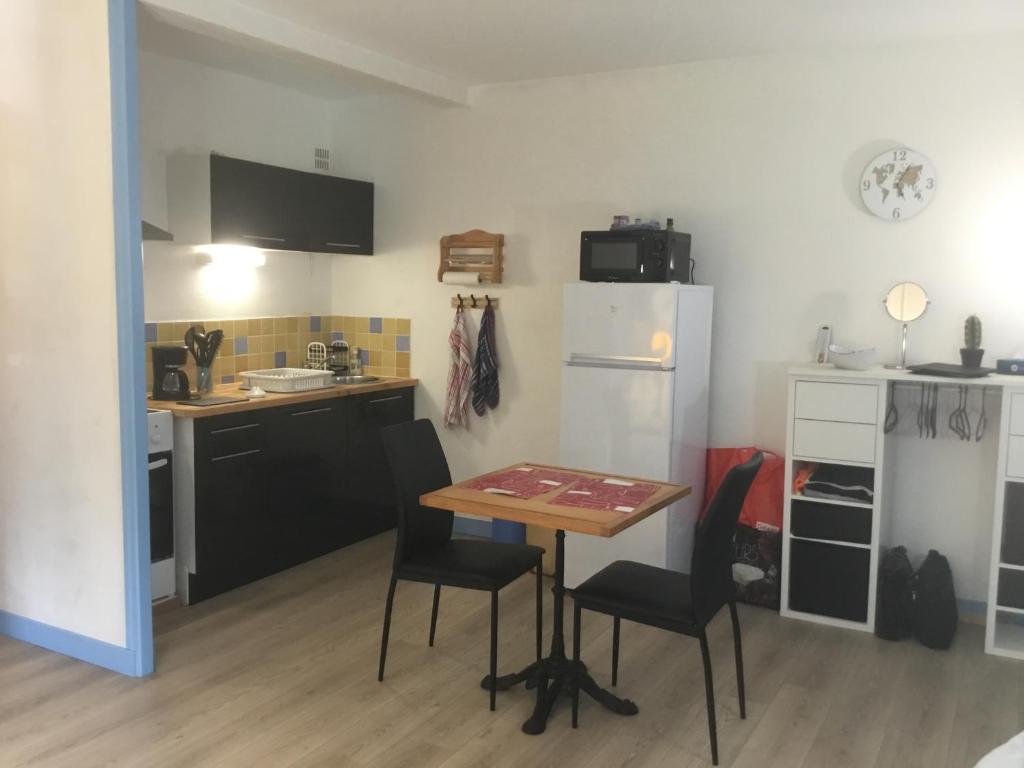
[456,405]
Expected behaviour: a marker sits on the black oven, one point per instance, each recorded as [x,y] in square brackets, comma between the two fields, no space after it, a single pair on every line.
[635,256]
[161,507]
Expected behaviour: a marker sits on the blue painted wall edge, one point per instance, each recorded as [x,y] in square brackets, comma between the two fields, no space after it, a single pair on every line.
[136,658]
[97,652]
[130,332]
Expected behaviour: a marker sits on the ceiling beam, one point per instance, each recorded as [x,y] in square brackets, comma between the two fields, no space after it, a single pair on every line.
[234,22]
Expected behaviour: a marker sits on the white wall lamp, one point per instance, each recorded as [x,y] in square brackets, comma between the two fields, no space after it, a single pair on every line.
[227,255]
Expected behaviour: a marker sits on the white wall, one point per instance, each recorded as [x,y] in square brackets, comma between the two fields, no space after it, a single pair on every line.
[759,159]
[192,108]
[61,533]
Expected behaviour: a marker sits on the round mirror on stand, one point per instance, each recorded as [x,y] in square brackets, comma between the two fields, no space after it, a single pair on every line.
[905,302]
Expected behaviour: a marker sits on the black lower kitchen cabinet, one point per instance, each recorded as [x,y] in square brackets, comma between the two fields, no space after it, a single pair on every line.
[369,491]
[232,525]
[276,487]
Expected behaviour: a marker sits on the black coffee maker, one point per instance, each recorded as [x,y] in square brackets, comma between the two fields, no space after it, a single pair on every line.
[169,380]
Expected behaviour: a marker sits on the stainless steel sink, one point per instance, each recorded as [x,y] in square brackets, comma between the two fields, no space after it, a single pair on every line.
[355,379]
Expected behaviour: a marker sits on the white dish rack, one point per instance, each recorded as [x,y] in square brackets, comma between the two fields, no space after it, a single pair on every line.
[287,379]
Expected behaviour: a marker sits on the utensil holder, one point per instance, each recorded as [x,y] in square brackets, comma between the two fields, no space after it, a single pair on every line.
[204,378]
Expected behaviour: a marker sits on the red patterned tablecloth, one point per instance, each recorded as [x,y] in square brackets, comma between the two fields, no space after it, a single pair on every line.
[523,482]
[602,494]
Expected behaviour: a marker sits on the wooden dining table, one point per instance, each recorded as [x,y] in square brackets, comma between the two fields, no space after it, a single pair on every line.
[561,499]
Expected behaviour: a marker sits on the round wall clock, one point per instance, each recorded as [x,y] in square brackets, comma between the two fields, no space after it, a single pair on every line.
[898,184]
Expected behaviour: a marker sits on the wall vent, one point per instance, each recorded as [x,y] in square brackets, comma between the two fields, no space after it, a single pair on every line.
[321,158]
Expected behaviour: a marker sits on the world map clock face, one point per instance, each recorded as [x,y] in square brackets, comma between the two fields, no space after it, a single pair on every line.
[898,184]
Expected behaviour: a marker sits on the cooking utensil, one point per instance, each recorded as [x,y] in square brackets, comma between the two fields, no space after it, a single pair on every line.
[203,346]
[982,419]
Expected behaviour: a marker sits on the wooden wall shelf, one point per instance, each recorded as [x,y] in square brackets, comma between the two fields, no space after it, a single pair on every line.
[474,251]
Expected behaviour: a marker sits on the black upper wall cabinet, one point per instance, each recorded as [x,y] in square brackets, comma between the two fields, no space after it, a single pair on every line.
[340,214]
[284,209]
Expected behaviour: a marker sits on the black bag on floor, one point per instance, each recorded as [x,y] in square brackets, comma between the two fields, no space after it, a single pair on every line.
[933,611]
[892,611]
[755,570]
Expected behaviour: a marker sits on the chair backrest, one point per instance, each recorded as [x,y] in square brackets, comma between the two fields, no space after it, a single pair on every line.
[418,466]
[711,582]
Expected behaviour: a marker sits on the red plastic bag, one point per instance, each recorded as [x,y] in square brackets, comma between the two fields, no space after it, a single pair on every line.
[763,508]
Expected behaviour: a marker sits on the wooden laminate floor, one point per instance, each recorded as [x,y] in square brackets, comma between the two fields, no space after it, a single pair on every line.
[283,673]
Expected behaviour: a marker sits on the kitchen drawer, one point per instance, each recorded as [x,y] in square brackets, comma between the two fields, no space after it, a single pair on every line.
[828,401]
[230,435]
[834,522]
[836,441]
[1015,456]
[1017,414]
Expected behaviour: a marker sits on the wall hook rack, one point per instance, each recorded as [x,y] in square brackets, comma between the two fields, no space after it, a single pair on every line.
[473,302]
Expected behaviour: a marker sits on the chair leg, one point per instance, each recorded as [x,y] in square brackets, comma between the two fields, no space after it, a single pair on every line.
[433,613]
[387,627]
[738,643]
[709,689]
[576,631]
[540,613]
[615,652]
[494,647]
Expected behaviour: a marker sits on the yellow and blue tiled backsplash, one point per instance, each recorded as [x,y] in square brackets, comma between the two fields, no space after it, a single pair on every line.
[275,342]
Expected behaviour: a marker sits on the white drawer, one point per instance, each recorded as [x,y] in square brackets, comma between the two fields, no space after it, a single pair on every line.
[828,401]
[834,441]
[1017,414]
[1015,457]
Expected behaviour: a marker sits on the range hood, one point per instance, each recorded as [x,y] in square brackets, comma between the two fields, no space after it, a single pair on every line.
[153,232]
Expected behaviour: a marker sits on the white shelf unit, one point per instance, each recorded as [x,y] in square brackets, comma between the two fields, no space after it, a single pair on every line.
[1005,634]
[838,404]
[833,420]
[1004,627]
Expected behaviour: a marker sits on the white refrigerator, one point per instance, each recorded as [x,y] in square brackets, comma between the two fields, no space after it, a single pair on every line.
[635,371]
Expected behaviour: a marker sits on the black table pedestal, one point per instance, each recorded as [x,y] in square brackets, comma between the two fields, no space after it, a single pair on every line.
[556,674]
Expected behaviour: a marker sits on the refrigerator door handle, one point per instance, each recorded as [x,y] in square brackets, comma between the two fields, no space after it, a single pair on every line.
[617,361]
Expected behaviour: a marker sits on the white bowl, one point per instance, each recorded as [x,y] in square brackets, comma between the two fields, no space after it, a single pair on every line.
[852,359]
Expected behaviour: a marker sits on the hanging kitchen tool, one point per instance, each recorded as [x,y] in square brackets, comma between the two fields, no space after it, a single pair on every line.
[982,418]
[922,410]
[892,416]
[959,419]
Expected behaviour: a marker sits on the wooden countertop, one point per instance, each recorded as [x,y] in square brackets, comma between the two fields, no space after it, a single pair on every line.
[274,399]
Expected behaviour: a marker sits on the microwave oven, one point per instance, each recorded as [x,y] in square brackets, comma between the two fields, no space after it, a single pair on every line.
[635,256]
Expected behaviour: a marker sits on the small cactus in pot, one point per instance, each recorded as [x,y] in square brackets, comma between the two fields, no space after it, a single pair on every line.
[971,353]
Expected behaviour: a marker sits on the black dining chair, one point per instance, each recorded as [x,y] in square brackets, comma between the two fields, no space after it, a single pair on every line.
[679,602]
[426,551]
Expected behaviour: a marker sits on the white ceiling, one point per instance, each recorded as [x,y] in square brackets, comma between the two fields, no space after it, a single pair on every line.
[249,58]
[442,46]
[487,41]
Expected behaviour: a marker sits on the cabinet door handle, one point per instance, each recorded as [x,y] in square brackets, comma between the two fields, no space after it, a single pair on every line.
[344,245]
[264,237]
[235,455]
[307,413]
[384,400]
[157,464]
[232,429]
